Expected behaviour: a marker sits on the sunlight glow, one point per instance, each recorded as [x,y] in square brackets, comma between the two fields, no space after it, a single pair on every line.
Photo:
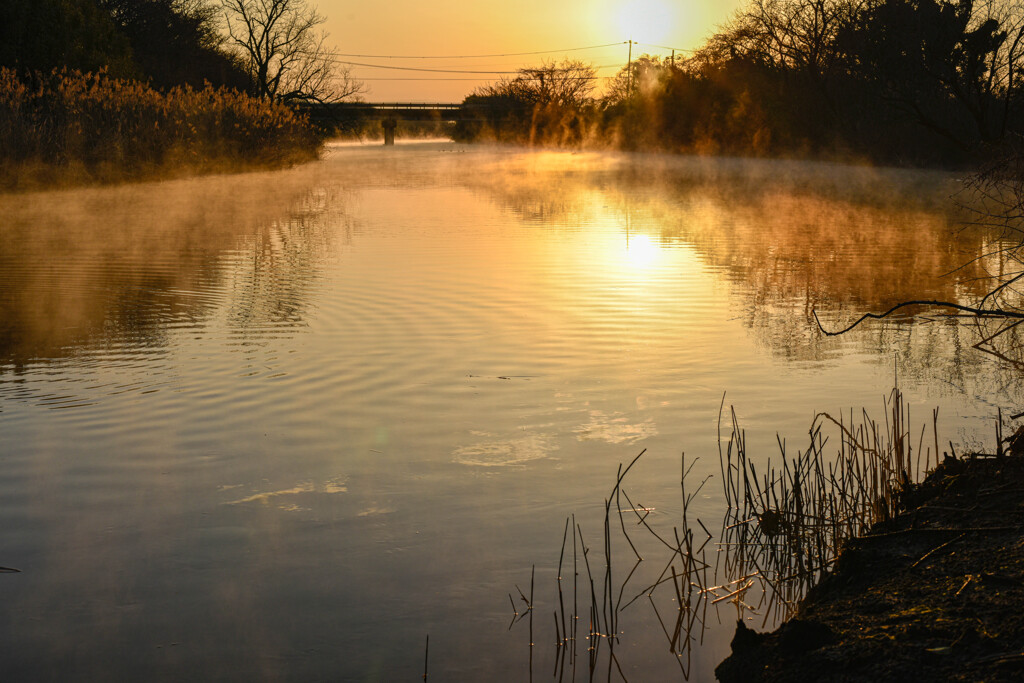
[642,251]
[649,21]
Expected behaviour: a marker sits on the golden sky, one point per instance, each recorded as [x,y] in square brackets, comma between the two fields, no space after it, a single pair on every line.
[487,27]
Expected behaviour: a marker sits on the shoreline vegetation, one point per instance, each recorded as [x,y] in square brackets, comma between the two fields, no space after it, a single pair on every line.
[71,128]
[897,82]
[932,594]
[789,545]
[102,91]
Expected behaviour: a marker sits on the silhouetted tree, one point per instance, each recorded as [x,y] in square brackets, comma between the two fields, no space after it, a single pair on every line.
[796,35]
[47,34]
[177,42]
[906,81]
[547,104]
[945,63]
[284,51]
[569,83]
[789,49]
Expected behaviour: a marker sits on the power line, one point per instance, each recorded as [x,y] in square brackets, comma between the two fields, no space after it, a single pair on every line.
[437,80]
[413,68]
[471,80]
[494,72]
[503,54]
[482,73]
[664,47]
[454,71]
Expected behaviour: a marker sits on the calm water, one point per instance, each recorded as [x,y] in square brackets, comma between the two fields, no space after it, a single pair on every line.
[283,426]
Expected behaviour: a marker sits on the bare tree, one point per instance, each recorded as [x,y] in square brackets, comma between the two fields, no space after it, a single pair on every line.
[285,52]
[1005,62]
[951,65]
[563,84]
[793,35]
[799,34]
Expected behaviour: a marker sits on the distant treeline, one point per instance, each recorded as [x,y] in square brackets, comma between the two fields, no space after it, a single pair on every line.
[904,81]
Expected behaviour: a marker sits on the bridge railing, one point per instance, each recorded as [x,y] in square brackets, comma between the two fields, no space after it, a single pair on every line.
[439,106]
[380,106]
[346,114]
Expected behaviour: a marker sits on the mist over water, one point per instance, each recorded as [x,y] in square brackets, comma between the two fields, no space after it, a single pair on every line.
[282,426]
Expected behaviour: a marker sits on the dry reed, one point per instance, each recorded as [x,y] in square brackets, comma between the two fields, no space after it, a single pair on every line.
[784,528]
[72,128]
[786,525]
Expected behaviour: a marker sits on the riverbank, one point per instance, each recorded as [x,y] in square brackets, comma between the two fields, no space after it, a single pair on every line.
[934,594]
[79,129]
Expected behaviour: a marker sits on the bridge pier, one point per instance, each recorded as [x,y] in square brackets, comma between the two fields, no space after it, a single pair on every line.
[389,124]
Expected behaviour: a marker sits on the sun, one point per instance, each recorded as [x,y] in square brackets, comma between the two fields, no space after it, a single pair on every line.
[647,21]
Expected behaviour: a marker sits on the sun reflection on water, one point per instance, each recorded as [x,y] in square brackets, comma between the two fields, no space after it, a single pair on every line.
[641,252]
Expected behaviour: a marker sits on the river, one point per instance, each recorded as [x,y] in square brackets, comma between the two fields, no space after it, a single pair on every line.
[284,426]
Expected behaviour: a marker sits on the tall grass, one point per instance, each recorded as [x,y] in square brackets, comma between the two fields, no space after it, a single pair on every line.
[69,128]
[783,530]
[787,524]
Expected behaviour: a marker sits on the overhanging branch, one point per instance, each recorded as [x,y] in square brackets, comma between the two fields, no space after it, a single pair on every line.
[980,312]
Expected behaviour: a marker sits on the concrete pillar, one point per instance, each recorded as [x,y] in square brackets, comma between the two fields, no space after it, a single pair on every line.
[389,124]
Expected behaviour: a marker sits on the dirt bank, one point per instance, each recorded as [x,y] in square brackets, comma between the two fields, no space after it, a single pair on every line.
[936,594]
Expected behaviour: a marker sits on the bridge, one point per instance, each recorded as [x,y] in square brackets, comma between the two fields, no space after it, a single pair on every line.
[388,113]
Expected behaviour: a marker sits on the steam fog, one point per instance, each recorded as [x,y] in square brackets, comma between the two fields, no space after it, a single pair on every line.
[284,425]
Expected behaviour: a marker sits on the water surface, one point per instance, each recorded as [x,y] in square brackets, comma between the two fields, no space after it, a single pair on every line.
[283,426]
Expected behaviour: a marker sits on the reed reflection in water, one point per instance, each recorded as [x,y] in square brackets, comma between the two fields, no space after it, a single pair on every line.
[307,417]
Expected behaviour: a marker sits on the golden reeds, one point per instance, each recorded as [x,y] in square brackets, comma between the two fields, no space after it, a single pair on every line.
[70,127]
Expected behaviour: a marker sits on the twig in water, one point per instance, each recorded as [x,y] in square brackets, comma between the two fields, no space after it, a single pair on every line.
[426,657]
[736,592]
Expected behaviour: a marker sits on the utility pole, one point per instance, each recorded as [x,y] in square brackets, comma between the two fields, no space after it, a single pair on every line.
[629,71]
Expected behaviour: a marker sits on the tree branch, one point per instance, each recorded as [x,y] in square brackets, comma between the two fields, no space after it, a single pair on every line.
[981,312]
